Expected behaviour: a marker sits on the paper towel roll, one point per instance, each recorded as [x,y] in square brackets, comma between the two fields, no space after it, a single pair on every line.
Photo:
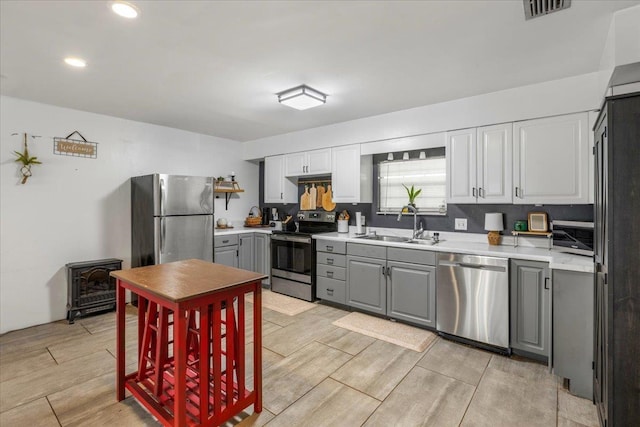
[359,222]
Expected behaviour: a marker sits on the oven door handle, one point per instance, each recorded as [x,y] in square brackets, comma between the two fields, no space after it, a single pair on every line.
[291,238]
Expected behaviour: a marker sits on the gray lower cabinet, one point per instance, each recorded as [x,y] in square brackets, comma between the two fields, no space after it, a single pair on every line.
[227,255]
[246,252]
[411,293]
[226,250]
[331,263]
[249,251]
[573,320]
[530,308]
[367,284]
[263,255]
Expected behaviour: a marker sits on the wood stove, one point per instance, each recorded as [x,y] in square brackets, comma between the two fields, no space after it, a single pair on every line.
[90,289]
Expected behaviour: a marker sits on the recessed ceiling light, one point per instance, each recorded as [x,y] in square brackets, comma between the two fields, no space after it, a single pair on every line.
[124,9]
[302,97]
[76,62]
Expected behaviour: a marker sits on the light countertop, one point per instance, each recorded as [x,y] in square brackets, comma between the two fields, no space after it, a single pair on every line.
[241,230]
[466,243]
[462,243]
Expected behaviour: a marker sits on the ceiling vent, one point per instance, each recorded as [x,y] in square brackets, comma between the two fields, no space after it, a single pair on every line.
[536,8]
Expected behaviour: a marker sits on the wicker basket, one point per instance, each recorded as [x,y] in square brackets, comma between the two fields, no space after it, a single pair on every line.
[252,221]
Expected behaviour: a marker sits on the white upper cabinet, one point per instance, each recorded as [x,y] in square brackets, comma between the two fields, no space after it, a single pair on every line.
[461,166]
[316,162]
[551,160]
[351,175]
[494,171]
[479,165]
[277,188]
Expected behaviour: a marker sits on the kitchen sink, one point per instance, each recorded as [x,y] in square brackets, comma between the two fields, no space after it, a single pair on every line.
[383,238]
[426,242]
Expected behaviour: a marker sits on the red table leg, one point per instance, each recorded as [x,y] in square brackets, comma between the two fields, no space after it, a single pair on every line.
[180,354]
[257,345]
[120,340]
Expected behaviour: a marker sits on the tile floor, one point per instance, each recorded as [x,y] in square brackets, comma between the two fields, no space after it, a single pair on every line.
[315,374]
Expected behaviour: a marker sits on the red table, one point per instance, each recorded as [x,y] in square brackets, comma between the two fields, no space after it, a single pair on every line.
[189,329]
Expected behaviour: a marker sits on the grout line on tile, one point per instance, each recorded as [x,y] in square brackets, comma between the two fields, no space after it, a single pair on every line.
[473,396]
[51,354]
[53,410]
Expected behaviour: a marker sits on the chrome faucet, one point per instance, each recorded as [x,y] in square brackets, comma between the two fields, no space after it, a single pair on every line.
[416,232]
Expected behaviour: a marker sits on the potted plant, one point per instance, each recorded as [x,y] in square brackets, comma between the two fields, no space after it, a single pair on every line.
[412,193]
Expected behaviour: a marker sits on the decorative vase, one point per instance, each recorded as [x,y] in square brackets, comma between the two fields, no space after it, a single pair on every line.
[494,238]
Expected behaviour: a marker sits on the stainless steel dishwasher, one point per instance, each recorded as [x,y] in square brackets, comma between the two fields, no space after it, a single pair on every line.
[472,298]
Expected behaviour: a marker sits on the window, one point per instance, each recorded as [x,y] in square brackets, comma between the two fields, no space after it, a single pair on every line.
[428,174]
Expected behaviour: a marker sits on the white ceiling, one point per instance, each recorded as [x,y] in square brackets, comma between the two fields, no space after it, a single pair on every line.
[214,67]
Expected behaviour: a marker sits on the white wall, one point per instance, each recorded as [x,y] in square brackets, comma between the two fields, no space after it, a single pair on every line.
[570,95]
[622,45]
[75,209]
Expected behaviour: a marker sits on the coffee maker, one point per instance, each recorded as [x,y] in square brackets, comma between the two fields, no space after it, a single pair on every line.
[266,215]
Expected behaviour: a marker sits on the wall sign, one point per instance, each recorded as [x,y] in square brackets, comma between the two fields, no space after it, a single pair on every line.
[75,147]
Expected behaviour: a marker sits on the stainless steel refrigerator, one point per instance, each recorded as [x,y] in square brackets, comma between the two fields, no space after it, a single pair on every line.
[171,219]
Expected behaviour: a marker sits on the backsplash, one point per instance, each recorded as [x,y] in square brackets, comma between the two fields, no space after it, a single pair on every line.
[473,213]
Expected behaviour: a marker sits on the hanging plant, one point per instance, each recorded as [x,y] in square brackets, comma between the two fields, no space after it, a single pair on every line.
[26,161]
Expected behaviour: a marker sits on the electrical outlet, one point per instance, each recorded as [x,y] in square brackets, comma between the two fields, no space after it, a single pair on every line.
[461,223]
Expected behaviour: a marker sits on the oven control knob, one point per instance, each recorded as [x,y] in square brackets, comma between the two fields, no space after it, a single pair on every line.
[300,215]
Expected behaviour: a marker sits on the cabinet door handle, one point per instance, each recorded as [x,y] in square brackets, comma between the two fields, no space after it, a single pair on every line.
[481,192]
[384,273]
[330,292]
[225,241]
[389,272]
[517,192]
[474,191]
[329,248]
[330,274]
[280,196]
[546,283]
[330,261]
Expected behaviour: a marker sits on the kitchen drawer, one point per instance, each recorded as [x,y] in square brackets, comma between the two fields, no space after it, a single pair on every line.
[331,290]
[339,273]
[331,259]
[227,240]
[415,256]
[370,251]
[331,246]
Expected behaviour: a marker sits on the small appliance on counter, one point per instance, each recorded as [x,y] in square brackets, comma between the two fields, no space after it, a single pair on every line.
[266,216]
[574,237]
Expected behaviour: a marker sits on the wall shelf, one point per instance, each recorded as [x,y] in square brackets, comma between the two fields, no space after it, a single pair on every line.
[227,188]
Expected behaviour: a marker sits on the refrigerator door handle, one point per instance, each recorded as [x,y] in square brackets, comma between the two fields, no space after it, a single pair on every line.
[162,195]
[163,232]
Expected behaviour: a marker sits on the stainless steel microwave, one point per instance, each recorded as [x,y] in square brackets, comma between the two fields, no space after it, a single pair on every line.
[575,237]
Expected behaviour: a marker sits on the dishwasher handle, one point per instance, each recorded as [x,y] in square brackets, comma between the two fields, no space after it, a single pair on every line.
[473,266]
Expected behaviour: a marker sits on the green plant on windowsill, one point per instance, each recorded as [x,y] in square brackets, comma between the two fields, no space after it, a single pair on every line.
[26,161]
[412,193]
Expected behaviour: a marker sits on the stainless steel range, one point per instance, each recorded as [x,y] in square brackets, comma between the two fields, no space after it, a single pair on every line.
[293,255]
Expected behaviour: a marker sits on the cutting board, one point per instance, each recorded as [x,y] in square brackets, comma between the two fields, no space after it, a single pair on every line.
[327,200]
[305,203]
[321,192]
[313,194]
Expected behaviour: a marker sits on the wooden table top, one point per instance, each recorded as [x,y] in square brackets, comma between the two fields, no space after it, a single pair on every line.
[181,280]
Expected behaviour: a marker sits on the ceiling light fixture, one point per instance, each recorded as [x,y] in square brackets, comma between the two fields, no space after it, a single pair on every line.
[302,97]
[124,9]
[75,62]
